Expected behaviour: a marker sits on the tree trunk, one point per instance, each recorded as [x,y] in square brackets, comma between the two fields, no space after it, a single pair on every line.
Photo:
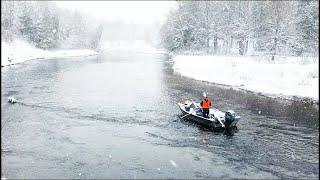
[246,47]
[227,46]
[274,49]
[215,44]
[241,47]
[231,42]
[277,24]
[207,26]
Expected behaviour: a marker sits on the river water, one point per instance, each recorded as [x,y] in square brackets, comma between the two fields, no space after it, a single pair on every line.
[115,116]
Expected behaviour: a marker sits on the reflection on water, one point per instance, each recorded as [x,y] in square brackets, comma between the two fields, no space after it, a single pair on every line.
[115,116]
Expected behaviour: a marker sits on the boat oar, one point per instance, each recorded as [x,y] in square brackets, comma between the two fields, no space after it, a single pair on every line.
[184,116]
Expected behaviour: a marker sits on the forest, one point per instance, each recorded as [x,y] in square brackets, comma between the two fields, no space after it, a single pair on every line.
[262,28]
[44,25]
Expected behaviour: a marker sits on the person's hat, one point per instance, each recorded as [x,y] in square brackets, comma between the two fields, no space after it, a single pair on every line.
[204,94]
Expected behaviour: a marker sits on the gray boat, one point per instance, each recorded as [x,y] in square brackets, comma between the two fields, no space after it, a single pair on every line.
[217,119]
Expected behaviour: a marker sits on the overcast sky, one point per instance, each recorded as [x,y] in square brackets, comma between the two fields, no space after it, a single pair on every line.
[145,12]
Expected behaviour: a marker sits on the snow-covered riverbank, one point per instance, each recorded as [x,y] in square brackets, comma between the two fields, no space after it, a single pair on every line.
[287,77]
[20,51]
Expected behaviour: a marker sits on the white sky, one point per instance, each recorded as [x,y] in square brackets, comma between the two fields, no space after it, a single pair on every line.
[145,12]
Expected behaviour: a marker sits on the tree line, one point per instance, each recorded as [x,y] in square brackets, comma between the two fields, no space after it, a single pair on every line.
[44,25]
[243,27]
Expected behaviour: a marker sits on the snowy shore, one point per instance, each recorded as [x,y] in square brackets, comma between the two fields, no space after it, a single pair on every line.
[20,51]
[286,77]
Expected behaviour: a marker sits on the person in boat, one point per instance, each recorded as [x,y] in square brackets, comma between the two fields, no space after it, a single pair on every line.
[205,105]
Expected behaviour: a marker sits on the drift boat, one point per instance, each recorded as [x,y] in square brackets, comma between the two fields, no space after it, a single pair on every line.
[217,119]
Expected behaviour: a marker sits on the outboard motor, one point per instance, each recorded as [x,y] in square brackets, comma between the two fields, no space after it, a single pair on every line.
[231,119]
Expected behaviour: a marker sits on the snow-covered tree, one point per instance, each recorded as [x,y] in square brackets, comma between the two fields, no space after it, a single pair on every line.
[272,27]
[307,24]
[7,20]
[46,26]
[26,21]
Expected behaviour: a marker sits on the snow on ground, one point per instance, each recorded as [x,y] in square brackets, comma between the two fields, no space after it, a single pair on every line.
[286,77]
[19,51]
[136,46]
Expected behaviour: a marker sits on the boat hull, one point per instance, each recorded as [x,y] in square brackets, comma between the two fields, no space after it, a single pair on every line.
[197,120]
[212,123]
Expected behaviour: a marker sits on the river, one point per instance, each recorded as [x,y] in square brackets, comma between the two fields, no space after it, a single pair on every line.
[115,116]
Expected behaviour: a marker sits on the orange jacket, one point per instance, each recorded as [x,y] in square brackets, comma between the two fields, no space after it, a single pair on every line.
[206,104]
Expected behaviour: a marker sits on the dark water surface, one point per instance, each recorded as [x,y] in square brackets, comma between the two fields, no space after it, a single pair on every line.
[115,116]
